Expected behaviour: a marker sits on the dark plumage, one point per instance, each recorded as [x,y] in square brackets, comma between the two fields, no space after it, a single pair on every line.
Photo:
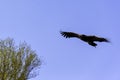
[89,39]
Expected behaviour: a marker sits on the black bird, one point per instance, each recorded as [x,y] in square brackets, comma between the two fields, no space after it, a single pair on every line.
[86,38]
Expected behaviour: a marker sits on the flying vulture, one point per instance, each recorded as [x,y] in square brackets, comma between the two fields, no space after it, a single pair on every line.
[90,39]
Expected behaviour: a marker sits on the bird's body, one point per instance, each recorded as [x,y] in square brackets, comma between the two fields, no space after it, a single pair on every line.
[89,39]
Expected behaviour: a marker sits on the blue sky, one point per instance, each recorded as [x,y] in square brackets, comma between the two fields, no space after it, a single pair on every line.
[38,22]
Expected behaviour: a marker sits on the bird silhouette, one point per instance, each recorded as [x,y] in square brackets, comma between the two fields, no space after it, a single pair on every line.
[90,39]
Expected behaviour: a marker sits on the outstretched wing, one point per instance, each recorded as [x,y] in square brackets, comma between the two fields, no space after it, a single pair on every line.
[100,39]
[69,34]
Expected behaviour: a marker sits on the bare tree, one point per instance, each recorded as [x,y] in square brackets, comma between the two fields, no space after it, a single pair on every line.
[17,62]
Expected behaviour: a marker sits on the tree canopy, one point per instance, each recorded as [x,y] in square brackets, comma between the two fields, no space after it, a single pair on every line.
[17,62]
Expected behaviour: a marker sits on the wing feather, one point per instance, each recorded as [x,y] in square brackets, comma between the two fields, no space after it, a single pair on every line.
[69,34]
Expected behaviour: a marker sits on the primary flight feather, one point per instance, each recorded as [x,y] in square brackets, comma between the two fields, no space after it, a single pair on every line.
[86,38]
